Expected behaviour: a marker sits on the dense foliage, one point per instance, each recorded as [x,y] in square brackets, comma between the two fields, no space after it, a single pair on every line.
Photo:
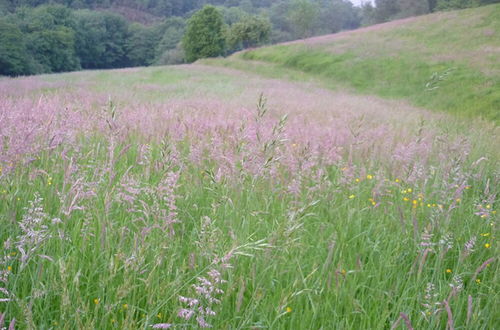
[386,10]
[204,35]
[42,36]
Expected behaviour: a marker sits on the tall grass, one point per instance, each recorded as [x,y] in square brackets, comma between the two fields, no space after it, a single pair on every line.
[138,215]
[445,86]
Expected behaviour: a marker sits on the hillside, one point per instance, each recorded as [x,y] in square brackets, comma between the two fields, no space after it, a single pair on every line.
[446,61]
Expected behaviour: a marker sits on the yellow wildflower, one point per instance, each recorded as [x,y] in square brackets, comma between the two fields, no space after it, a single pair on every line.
[397,180]
[9,268]
[288,309]
[485,234]
[478,281]
[488,206]
[406,199]
[449,271]
[487,245]
[96,301]
[409,190]
[352,196]
[125,306]
[369,176]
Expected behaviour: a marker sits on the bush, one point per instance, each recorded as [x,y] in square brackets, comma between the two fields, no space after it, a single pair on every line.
[204,35]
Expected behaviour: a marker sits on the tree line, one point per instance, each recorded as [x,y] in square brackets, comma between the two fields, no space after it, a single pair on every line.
[66,35]
[387,10]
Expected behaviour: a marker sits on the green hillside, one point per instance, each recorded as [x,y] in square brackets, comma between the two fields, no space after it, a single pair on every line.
[445,61]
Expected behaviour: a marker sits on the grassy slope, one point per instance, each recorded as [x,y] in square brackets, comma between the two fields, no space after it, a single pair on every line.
[445,61]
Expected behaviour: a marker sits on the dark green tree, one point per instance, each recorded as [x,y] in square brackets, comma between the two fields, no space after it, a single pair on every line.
[302,16]
[172,31]
[49,37]
[385,10]
[410,8]
[282,28]
[101,39]
[13,60]
[458,4]
[204,35]
[90,38]
[251,31]
[115,41]
[142,43]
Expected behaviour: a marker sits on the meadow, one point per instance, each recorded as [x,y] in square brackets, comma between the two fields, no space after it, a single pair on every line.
[201,196]
[446,61]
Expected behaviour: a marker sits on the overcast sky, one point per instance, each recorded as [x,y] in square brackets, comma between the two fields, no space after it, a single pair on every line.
[358,2]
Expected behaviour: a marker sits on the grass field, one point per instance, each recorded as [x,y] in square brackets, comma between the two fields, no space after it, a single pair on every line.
[282,198]
[444,61]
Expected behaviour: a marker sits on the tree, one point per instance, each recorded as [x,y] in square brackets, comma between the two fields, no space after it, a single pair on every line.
[458,4]
[335,15]
[410,8]
[386,10]
[251,31]
[49,37]
[282,29]
[302,17]
[432,5]
[167,50]
[53,50]
[101,39]
[204,35]
[115,41]
[141,45]
[90,38]
[12,50]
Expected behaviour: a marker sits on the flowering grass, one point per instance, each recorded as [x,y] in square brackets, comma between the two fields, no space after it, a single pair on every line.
[180,198]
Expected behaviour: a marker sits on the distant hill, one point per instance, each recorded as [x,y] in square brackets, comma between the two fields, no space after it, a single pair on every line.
[448,61]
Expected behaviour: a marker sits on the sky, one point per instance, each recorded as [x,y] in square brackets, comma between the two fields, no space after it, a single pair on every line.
[358,2]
